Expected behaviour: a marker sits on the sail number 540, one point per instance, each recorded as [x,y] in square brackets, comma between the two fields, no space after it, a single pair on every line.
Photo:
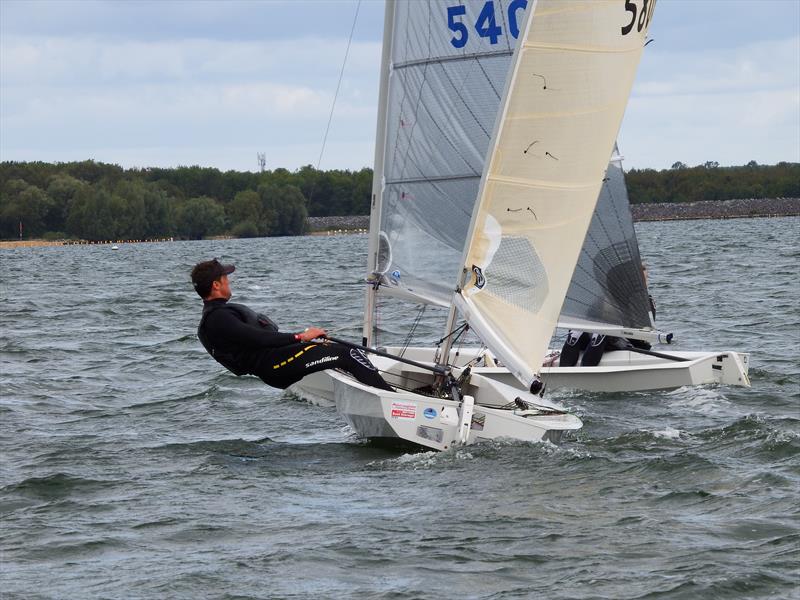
[644,15]
[486,25]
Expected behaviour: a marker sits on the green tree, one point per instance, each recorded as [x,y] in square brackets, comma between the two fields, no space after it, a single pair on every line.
[131,220]
[93,215]
[100,214]
[27,205]
[287,204]
[93,172]
[62,189]
[158,212]
[245,229]
[199,217]
[246,208]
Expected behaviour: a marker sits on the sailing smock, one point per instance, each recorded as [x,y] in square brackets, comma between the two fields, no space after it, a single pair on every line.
[237,337]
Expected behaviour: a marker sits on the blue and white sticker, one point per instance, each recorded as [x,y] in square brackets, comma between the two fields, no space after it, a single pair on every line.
[430,413]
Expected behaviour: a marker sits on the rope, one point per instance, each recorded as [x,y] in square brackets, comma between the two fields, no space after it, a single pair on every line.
[338,85]
[545,377]
[457,332]
[333,105]
[413,329]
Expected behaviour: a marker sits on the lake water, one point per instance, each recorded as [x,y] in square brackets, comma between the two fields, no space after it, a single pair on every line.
[133,466]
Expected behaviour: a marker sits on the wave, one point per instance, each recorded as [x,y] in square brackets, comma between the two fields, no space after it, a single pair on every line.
[723,586]
[277,457]
[511,452]
[231,447]
[643,442]
[57,485]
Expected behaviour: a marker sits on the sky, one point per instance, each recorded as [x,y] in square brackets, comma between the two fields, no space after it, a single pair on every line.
[212,83]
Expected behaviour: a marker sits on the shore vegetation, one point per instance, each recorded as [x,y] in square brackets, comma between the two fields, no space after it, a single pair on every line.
[97,201]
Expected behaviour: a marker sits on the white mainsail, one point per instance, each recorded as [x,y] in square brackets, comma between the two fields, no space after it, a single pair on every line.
[442,99]
[570,80]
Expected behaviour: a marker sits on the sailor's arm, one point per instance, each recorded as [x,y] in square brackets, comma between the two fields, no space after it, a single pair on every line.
[311,333]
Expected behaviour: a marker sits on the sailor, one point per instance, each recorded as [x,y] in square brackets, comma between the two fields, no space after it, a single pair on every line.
[590,347]
[247,343]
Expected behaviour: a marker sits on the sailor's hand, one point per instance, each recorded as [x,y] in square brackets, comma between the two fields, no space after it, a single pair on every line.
[312,333]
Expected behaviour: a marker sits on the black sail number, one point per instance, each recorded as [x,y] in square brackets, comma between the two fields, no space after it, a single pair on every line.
[644,15]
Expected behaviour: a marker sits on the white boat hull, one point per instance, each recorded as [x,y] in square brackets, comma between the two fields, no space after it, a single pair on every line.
[618,371]
[624,371]
[486,412]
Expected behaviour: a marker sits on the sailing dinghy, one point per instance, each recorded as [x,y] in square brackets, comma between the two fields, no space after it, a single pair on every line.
[440,99]
[564,94]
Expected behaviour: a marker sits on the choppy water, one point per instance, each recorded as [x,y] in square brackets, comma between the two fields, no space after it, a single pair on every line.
[132,466]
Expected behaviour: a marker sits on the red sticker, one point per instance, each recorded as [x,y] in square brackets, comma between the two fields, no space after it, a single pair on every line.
[404,410]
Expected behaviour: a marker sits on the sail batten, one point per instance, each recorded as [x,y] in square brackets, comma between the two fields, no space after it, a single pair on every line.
[529,183]
[444,59]
[580,48]
[433,178]
[531,116]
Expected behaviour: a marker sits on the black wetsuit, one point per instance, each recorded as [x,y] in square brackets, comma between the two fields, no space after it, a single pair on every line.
[593,345]
[247,343]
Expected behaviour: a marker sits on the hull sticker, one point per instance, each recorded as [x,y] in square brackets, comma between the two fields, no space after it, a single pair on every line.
[433,434]
[478,420]
[404,410]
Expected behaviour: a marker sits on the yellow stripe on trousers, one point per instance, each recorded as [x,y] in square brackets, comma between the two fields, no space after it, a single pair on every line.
[291,358]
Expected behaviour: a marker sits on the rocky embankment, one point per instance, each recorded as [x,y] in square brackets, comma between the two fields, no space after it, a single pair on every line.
[326,225]
[665,211]
[717,209]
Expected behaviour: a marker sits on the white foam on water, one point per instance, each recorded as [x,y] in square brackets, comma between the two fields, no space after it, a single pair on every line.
[422,460]
[705,400]
[670,433]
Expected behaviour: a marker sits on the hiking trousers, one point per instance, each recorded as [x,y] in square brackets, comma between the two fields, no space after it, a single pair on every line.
[281,367]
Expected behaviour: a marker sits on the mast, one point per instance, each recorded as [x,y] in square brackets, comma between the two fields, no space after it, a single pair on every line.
[377,175]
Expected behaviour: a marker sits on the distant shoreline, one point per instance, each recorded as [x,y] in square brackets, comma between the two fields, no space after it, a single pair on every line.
[44,243]
[717,209]
[665,211]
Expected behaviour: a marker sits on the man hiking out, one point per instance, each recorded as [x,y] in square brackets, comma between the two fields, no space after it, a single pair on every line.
[247,343]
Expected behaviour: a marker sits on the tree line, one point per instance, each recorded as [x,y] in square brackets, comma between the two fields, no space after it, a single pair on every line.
[96,201]
[709,181]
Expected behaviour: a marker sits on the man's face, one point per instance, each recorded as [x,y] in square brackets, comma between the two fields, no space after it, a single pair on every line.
[223,287]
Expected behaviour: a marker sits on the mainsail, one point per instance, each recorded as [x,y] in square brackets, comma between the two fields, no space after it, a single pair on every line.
[442,101]
[608,290]
[570,80]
